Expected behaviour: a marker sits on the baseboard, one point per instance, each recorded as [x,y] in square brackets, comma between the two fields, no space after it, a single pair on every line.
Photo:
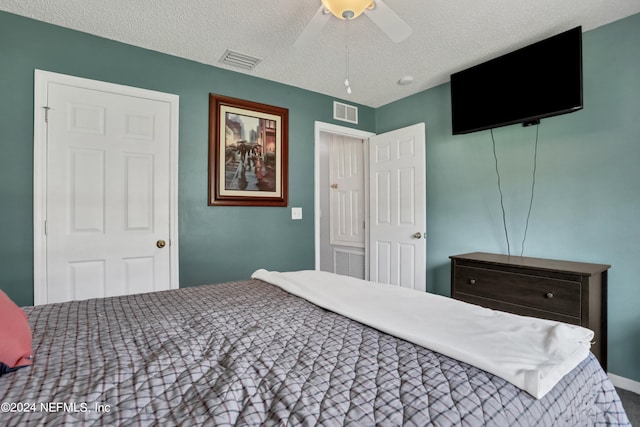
[625,383]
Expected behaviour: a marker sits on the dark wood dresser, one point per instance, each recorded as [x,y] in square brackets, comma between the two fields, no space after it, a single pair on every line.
[570,292]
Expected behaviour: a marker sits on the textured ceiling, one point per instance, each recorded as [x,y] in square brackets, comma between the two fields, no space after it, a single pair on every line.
[448,36]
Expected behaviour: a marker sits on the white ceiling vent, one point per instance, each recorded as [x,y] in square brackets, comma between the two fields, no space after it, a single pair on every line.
[345,112]
[240,60]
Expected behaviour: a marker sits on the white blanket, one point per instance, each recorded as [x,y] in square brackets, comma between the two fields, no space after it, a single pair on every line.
[533,354]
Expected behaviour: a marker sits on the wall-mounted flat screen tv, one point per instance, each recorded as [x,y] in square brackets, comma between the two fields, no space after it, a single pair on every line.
[541,80]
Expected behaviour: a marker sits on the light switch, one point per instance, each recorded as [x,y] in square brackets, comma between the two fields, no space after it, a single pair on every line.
[296,213]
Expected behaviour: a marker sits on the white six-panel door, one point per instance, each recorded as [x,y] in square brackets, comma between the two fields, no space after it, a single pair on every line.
[108,187]
[397,207]
[346,175]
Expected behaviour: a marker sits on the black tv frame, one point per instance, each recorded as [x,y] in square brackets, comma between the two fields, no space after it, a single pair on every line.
[526,120]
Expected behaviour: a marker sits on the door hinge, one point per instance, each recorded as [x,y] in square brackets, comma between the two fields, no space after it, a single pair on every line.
[46,113]
[45,227]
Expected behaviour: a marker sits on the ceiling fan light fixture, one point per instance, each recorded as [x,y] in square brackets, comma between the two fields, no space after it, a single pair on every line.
[347,9]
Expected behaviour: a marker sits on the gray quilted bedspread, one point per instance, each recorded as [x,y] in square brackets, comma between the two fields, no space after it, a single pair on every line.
[248,353]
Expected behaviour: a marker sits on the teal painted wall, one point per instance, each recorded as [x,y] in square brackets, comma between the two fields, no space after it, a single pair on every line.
[216,243]
[587,195]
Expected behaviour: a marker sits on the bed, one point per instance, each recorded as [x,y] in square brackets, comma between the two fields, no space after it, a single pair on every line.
[251,353]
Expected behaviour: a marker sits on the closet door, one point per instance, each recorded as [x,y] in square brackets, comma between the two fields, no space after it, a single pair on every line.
[108,193]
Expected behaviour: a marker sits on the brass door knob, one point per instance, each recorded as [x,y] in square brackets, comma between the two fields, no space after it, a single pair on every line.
[161,244]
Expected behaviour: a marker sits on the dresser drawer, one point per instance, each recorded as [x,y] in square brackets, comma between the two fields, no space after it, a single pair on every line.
[542,293]
[566,291]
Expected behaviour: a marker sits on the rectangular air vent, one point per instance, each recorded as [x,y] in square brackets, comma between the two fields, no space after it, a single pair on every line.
[348,263]
[345,112]
[239,60]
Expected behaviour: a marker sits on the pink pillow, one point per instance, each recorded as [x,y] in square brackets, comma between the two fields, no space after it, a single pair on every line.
[15,336]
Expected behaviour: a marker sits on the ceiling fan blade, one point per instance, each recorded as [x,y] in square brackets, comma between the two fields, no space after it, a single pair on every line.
[313,28]
[389,22]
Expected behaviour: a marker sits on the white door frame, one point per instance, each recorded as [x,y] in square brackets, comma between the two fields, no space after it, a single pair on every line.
[353,133]
[41,82]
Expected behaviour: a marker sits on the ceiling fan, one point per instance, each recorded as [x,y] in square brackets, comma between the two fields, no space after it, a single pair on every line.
[381,15]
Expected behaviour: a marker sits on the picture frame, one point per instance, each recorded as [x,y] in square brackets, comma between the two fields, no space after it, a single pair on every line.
[248,153]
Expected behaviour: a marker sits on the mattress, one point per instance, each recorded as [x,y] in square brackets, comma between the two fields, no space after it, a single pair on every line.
[249,353]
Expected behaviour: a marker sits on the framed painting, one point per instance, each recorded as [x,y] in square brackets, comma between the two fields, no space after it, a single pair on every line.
[248,145]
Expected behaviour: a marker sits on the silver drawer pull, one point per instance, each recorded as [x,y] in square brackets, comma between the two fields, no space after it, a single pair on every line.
[472,281]
[549,295]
